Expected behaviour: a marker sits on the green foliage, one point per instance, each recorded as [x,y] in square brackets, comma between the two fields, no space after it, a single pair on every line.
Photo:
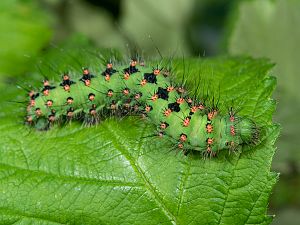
[270,29]
[165,22]
[24,31]
[110,174]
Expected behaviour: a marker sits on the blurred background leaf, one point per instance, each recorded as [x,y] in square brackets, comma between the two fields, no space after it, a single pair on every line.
[24,32]
[129,24]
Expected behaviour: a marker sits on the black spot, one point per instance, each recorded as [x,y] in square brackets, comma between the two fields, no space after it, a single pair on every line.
[48,87]
[109,71]
[163,93]
[131,70]
[174,107]
[34,96]
[86,77]
[150,77]
[67,82]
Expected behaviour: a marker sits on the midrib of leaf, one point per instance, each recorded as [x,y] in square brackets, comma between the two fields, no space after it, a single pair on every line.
[182,185]
[141,174]
[228,189]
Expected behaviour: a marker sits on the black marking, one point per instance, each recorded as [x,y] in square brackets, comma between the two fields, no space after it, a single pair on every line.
[48,87]
[174,107]
[67,82]
[131,70]
[150,77]
[87,76]
[33,95]
[162,93]
[109,71]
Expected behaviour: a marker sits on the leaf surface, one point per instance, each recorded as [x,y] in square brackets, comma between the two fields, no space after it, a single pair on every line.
[111,174]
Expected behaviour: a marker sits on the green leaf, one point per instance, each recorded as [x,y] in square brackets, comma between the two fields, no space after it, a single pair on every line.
[24,31]
[110,174]
[270,29]
[165,23]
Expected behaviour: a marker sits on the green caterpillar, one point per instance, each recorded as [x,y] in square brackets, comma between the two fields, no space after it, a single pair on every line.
[137,89]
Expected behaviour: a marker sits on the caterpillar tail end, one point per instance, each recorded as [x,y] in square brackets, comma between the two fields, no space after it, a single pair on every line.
[249,131]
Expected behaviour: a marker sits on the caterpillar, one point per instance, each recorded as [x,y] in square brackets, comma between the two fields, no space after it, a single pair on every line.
[120,90]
